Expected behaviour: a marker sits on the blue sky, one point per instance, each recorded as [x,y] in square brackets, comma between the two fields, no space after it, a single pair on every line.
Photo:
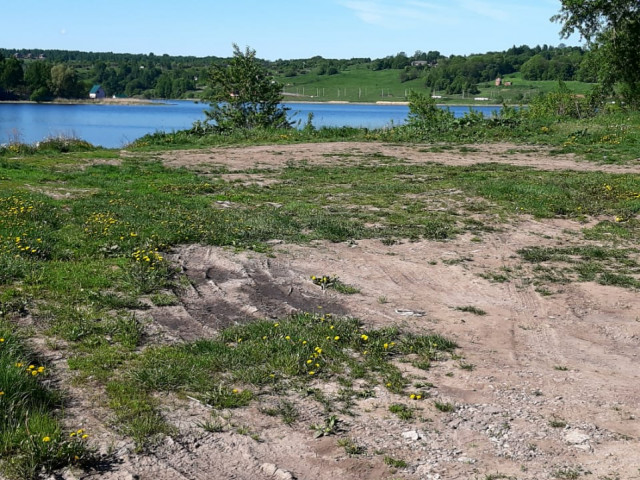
[284,29]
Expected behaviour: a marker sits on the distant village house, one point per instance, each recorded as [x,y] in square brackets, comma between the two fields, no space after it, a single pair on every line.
[97,92]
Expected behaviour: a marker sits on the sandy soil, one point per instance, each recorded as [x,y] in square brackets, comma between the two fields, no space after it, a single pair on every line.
[570,357]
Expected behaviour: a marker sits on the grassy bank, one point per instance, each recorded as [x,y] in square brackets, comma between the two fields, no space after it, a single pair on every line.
[84,235]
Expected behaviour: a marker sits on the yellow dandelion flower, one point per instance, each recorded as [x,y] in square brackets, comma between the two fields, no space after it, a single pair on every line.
[46,439]
[235,390]
[287,337]
[412,396]
[309,361]
[34,372]
[80,431]
[336,338]
[85,436]
[304,342]
[1,393]
[1,340]
[40,369]
[418,397]
[385,346]
[72,434]
[364,337]
[312,373]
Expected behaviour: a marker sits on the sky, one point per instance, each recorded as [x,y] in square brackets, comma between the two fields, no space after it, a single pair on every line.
[280,29]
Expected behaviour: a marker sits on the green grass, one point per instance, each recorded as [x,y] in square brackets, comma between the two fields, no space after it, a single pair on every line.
[32,437]
[607,266]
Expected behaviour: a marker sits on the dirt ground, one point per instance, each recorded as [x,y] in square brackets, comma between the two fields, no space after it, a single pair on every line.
[555,387]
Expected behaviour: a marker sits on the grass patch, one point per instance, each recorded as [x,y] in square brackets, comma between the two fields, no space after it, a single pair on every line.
[403,412]
[607,266]
[472,309]
[32,438]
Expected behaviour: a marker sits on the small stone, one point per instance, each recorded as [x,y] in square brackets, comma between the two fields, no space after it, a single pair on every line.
[412,435]
[268,469]
[576,437]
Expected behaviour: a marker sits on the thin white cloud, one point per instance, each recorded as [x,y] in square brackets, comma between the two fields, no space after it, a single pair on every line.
[485,9]
[398,14]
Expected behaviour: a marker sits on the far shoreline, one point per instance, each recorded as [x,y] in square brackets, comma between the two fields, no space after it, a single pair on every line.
[161,101]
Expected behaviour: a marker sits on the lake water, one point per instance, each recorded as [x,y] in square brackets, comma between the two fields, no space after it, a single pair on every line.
[113,126]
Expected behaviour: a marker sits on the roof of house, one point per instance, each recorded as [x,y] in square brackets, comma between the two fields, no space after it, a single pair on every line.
[95,88]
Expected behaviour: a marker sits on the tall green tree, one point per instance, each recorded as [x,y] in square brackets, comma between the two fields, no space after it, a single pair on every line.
[12,74]
[612,29]
[243,95]
[64,82]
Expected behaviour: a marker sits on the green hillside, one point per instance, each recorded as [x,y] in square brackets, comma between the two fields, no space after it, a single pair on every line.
[360,84]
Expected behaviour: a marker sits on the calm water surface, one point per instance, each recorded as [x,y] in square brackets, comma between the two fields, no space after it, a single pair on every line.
[113,126]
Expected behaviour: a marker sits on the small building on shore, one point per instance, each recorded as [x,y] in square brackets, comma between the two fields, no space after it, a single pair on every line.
[97,92]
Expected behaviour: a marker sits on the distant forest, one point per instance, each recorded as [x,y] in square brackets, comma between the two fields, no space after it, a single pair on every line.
[42,75]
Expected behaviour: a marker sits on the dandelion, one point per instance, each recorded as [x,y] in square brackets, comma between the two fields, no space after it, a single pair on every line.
[304,342]
[287,337]
[336,338]
[85,436]
[1,394]
[418,397]
[312,373]
[80,431]
[385,346]
[234,391]
[72,434]
[46,439]
[276,325]
[34,372]
[309,361]
[1,340]
[412,396]
[364,337]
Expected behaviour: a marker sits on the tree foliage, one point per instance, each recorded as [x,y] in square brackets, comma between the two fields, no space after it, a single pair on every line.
[612,29]
[243,95]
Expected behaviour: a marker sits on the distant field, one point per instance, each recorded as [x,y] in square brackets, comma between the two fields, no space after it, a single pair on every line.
[364,85]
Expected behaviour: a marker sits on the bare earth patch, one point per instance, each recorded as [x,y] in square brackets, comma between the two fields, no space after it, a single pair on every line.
[548,386]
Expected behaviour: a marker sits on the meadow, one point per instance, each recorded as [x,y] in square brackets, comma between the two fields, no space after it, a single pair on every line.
[86,236]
